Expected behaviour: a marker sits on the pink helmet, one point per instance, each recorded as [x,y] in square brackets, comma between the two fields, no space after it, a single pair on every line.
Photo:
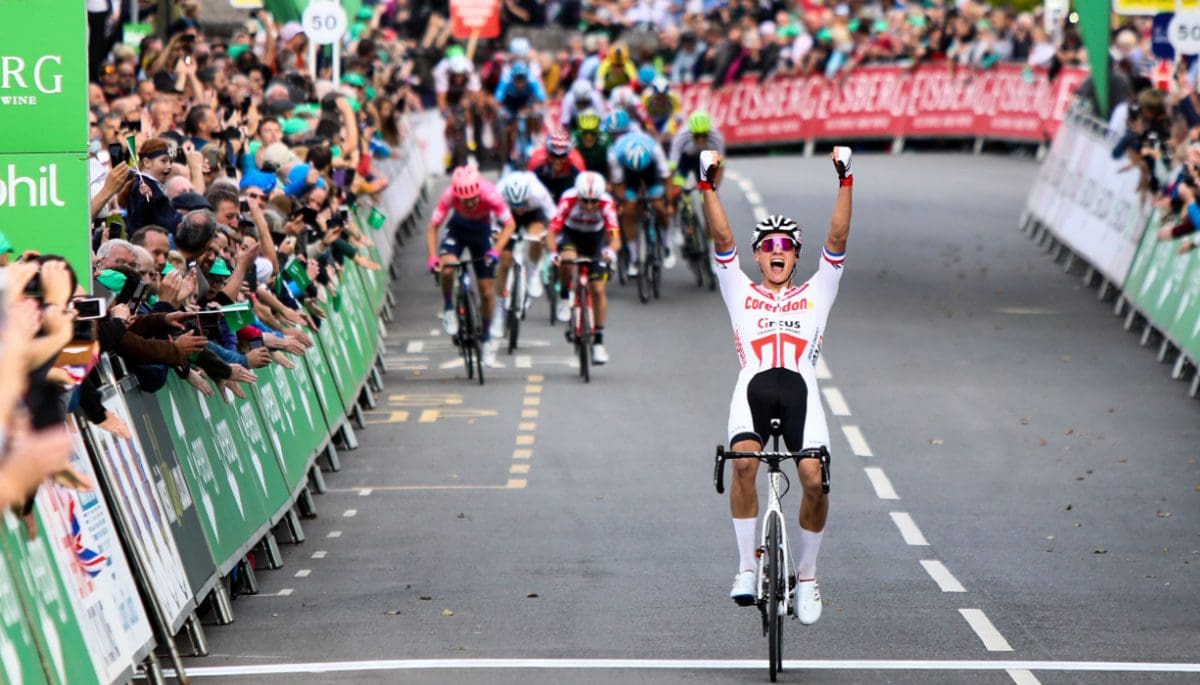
[558,143]
[589,185]
[465,182]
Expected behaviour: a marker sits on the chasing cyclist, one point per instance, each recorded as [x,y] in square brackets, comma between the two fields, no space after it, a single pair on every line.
[684,156]
[519,95]
[532,208]
[662,108]
[637,165]
[591,143]
[778,332]
[586,215]
[556,164]
[468,207]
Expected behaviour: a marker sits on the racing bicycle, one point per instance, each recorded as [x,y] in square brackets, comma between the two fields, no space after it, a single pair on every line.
[469,338]
[695,245]
[776,584]
[582,327]
[650,247]
[517,301]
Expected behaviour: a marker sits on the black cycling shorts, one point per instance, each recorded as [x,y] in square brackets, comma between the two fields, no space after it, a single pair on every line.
[776,394]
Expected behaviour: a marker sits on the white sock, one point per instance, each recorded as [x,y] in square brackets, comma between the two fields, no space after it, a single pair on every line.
[744,529]
[633,255]
[810,544]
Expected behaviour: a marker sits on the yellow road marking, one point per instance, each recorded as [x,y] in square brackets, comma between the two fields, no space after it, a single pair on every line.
[532,401]
[519,468]
[522,453]
[529,413]
[527,426]
[533,389]
[525,439]
[536,378]
[516,483]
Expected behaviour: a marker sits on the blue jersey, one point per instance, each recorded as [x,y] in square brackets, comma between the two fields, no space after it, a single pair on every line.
[621,148]
[618,158]
[513,99]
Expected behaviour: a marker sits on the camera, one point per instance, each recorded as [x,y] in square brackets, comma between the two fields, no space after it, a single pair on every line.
[89,308]
[245,206]
[116,154]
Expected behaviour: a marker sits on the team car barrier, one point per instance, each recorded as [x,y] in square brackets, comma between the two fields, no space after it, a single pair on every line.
[186,510]
[1086,207]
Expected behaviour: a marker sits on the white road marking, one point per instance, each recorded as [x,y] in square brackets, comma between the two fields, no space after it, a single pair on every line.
[523,361]
[879,481]
[452,364]
[350,513]
[303,573]
[942,576]
[993,641]
[760,214]
[434,332]
[689,665]
[837,403]
[415,347]
[1023,676]
[1025,310]
[334,534]
[283,593]
[908,529]
[753,197]
[364,492]
[823,373]
[319,554]
[858,444]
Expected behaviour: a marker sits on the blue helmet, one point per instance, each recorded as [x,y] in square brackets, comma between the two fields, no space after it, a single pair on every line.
[646,74]
[637,156]
[519,70]
[617,123]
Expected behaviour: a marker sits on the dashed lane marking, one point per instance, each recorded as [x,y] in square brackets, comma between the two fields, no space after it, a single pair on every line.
[1023,676]
[334,534]
[523,453]
[525,439]
[303,573]
[415,347]
[823,373]
[760,214]
[523,361]
[434,332]
[519,468]
[879,481]
[858,443]
[350,513]
[837,403]
[527,426]
[908,529]
[992,640]
[942,576]
[529,413]
[753,197]
[533,389]
[319,554]
[979,665]
[364,492]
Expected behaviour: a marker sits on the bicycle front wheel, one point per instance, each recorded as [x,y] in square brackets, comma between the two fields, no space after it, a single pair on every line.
[516,299]
[776,594]
[583,343]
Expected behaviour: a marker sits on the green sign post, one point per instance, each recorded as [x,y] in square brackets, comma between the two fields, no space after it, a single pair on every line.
[44,114]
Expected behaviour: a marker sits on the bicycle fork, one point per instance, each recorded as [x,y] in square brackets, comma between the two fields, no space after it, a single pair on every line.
[776,484]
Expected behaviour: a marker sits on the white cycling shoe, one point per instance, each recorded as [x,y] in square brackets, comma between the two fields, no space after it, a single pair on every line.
[562,311]
[744,589]
[808,601]
[669,259]
[599,355]
[536,289]
[498,322]
[450,322]
[489,354]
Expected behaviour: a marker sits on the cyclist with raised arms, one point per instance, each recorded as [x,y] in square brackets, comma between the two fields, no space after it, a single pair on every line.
[591,143]
[585,217]
[532,208]
[778,330]
[637,164]
[468,207]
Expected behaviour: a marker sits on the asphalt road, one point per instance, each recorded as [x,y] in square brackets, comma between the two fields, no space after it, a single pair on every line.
[1048,462]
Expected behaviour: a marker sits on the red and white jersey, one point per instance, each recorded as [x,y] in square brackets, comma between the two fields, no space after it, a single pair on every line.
[779,330]
[573,214]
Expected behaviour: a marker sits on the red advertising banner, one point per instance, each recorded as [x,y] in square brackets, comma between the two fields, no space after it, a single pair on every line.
[934,101]
[479,18]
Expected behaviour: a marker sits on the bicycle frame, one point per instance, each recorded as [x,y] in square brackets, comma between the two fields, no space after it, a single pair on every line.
[775,489]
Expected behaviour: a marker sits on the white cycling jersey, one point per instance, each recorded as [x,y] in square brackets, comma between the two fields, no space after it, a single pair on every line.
[539,196]
[783,330]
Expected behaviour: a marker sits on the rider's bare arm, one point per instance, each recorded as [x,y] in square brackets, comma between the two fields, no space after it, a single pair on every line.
[714,212]
[839,225]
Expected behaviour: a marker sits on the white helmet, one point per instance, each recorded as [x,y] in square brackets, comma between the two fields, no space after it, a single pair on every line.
[623,96]
[519,47]
[589,185]
[459,64]
[776,223]
[582,89]
[517,187]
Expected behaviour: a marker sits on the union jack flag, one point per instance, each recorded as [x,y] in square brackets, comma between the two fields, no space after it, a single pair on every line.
[90,562]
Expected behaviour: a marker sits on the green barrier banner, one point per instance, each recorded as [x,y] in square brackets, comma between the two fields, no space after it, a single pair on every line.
[140,509]
[230,506]
[321,375]
[95,572]
[333,342]
[360,327]
[56,630]
[285,397]
[19,658]
[177,498]
[44,114]
[1165,287]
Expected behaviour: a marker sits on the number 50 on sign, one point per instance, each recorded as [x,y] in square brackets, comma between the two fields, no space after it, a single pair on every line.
[1184,33]
[324,22]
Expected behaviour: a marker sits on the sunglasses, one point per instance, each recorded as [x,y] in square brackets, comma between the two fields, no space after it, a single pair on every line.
[254,196]
[774,243]
[586,201]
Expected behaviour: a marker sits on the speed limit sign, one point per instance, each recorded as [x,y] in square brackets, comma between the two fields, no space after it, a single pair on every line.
[324,21]
[1184,33]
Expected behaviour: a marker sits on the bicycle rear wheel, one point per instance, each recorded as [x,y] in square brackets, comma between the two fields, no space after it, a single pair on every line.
[657,262]
[516,299]
[643,277]
[583,344]
[777,592]
[551,282]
